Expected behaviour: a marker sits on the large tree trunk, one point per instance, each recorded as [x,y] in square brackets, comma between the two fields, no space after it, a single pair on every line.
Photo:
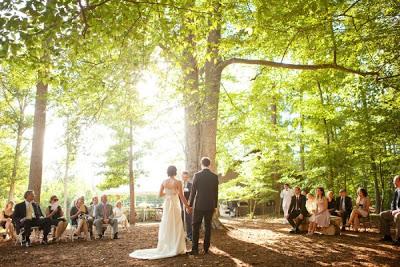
[208,128]
[39,126]
[132,213]
[192,109]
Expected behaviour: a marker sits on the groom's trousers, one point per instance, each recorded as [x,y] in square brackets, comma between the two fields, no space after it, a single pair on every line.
[198,216]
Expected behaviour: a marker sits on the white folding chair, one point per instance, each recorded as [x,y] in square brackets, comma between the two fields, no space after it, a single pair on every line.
[72,230]
[107,228]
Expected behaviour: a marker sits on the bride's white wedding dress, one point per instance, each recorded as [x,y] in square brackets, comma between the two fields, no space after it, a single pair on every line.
[171,235]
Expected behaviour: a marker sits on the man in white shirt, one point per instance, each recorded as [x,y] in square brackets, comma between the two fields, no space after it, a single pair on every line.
[286,196]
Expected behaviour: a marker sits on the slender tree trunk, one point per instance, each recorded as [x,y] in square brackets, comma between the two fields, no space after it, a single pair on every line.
[67,159]
[275,165]
[373,165]
[39,126]
[327,138]
[17,154]
[302,146]
[132,214]
[301,141]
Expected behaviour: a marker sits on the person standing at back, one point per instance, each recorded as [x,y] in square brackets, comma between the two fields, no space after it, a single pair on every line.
[204,201]
[186,217]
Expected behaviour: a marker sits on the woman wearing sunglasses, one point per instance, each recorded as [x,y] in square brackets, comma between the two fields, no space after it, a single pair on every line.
[56,215]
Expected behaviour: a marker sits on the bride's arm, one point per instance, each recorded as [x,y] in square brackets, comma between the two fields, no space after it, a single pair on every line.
[181,196]
[161,194]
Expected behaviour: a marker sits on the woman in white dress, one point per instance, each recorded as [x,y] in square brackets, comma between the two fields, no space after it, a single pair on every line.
[171,234]
[120,216]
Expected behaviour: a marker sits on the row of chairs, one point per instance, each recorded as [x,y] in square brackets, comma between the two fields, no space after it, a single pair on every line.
[37,235]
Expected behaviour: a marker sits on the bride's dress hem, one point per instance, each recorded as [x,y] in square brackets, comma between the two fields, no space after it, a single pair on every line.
[171,235]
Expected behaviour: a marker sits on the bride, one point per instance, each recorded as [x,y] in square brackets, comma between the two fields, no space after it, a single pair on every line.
[171,236]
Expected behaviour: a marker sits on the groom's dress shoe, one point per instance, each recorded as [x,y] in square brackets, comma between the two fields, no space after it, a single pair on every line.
[193,252]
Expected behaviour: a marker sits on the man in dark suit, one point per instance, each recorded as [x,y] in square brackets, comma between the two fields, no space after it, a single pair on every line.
[204,200]
[392,216]
[186,216]
[344,207]
[297,210]
[28,214]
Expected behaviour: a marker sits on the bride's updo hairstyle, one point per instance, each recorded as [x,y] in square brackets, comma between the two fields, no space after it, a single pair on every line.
[171,171]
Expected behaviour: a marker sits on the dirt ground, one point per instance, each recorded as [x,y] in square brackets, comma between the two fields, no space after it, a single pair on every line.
[244,243]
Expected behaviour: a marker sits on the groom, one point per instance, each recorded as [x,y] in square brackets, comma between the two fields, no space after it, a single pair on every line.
[204,200]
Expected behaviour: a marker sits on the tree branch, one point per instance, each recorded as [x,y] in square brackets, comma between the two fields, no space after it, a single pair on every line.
[274,64]
[167,5]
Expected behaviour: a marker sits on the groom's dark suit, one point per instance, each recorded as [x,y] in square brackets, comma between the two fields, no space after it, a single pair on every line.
[204,200]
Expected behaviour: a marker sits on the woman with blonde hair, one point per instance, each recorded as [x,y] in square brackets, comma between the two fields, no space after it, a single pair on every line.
[6,220]
[120,216]
[311,208]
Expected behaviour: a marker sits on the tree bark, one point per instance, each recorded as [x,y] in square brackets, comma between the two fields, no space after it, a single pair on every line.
[192,109]
[39,126]
[132,213]
[209,111]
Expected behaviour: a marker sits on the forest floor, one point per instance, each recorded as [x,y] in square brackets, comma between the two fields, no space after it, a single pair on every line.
[244,243]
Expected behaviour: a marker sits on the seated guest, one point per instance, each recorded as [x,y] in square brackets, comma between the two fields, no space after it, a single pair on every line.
[28,214]
[361,209]
[92,214]
[56,216]
[344,207]
[297,210]
[92,207]
[120,216]
[79,218]
[6,220]
[311,208]
[331,203]
[393,215]
[105,215]
[322,215]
